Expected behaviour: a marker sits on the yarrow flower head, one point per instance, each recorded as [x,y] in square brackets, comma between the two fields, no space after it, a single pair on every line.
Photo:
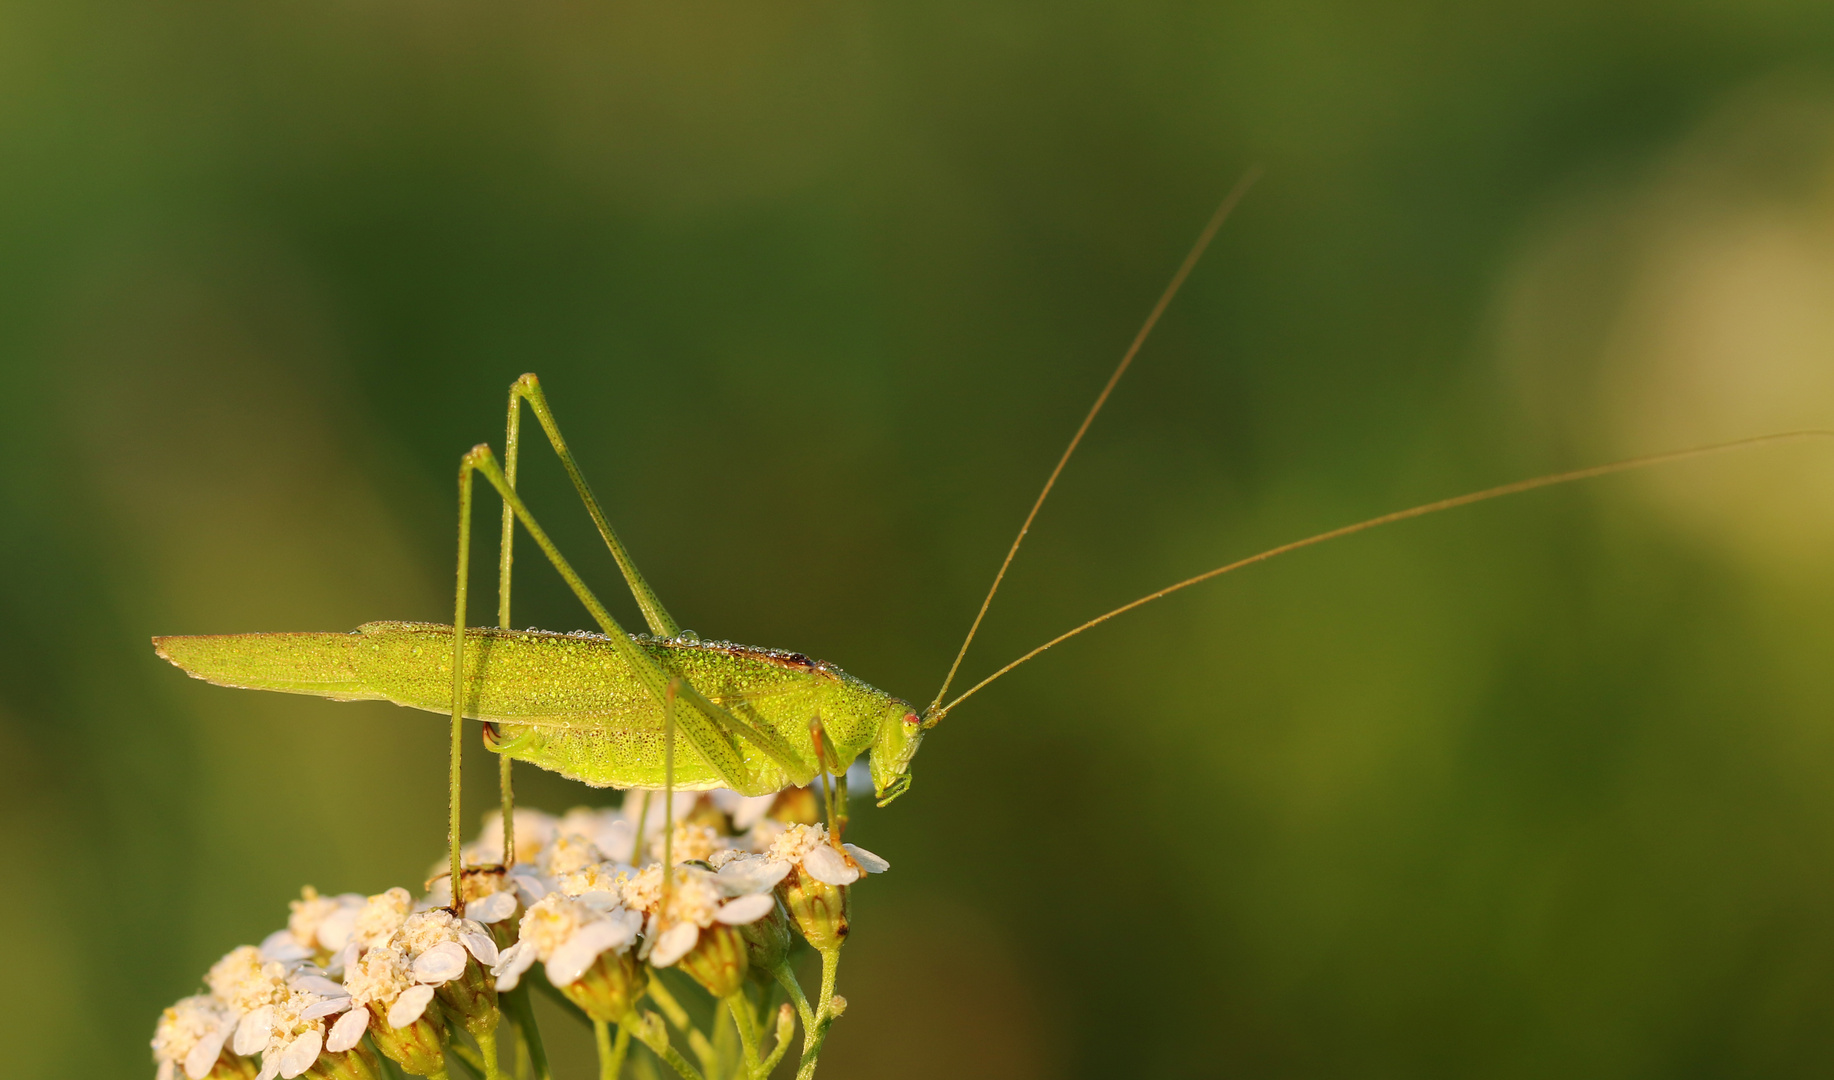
[585,950]
[295,1033]
[322,925]
[813,875]
[380,916]
[191,1038]
[351,975]
[396,1008]
[694,920]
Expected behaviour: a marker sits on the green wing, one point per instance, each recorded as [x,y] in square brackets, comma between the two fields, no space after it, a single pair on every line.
[590,716]
[318,664]
[532,678]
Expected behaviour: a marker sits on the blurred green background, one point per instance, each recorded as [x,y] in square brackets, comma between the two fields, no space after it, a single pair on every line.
[819,289]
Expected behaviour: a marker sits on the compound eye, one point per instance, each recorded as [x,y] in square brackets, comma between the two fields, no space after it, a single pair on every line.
[911,719]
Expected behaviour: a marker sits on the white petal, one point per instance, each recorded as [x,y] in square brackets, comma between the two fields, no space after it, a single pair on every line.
[165,1070]
[203,1056]
[825,864]
[408,1007]
[746,909]
[439,894]
[280,946]
[442,963]
[568,963]
[301,1053]
[252,1032]
[616,840]
[316,984]
[674,943]
[270,1067]
[751,876]
[343,958]
[510,965]
[348,1031]
[600,900]
[480,945]
[531,887]
[609,934]
[334,931]
[331,1006]
[578,952]
[516,958]
[493,908]
[869,862]
[749,811]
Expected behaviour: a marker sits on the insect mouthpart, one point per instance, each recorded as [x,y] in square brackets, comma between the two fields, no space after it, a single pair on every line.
[900,730]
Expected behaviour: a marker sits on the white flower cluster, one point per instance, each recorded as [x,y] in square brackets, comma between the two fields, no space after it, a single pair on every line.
[588,888]
[313,987]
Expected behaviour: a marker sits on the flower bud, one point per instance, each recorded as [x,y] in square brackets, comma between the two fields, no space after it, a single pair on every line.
[356,1063]
[821,910]
[472,998]
[229,1067]
[418,1046]
[609,987]
[718,960]
[767,942]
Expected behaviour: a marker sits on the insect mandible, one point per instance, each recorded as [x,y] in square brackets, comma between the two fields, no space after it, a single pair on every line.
[665,708]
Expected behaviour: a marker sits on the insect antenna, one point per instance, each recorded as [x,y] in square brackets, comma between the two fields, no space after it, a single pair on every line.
[1422,510]
[1152,319]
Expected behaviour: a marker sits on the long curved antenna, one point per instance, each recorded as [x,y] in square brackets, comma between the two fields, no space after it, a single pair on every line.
[1184,270]
[1389,519]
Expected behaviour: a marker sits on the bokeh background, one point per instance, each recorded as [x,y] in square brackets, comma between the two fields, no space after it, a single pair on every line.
[819,289]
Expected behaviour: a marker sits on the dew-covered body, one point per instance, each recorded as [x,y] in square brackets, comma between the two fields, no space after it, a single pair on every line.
[569,703]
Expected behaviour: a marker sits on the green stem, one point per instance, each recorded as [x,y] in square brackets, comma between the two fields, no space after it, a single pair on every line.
[786,1026]
[746,1023]
[649,1029]
[787,979]
[830,965]
[467,1055]
[620,1048]
[812,1041]
[671,1008]
[487,1048]
[709,1057]
[521,1012]
[611,1054]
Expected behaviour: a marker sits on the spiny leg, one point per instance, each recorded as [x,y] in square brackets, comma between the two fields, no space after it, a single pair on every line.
[506,558]
[818,737]
[668,794]
[709,728]
[528,388]
[458,683]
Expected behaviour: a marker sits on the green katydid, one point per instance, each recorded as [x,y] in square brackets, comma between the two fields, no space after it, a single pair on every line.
[667,709]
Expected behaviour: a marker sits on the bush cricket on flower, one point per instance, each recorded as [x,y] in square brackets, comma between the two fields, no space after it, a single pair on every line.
[755,720]
[665,709]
